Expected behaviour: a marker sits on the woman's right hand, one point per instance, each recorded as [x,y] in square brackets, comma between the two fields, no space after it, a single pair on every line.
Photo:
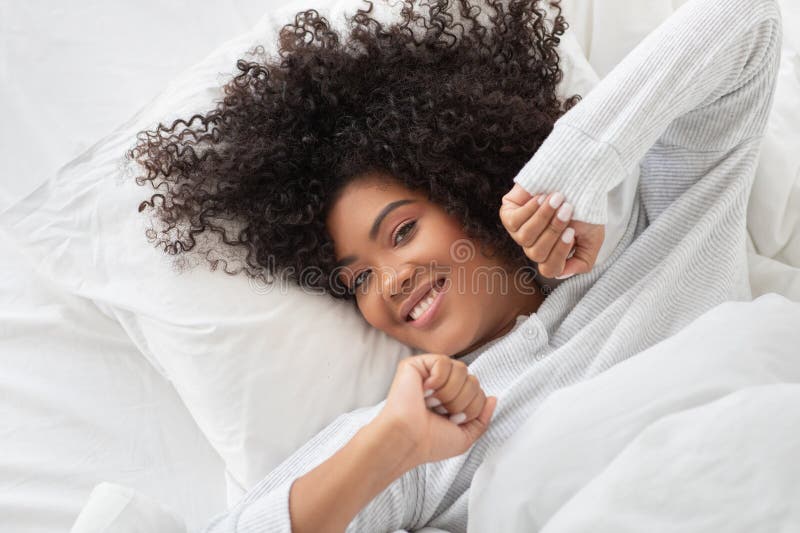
[548,239]
[434,437]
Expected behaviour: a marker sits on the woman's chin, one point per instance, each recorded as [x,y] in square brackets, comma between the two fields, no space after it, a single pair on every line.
[448,349]
[440,341]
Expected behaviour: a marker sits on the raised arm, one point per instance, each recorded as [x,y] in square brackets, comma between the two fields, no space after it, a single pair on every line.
[695,82]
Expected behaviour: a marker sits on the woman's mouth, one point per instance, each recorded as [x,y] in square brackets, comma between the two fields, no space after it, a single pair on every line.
[424,312]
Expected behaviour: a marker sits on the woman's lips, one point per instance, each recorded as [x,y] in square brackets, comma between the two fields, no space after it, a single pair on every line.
[430,313]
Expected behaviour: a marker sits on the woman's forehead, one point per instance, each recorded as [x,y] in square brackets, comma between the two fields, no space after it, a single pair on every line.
[362,201]
[360,212]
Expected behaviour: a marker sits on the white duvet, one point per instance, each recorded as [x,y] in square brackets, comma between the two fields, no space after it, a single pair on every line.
[699,433]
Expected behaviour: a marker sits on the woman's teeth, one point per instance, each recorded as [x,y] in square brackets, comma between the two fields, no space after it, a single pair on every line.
[422,306]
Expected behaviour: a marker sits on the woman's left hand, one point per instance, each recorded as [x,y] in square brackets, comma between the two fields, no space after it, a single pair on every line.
[546,238]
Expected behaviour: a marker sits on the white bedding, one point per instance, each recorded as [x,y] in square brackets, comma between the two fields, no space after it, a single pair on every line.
[698,433]
[71,72]
[79,405]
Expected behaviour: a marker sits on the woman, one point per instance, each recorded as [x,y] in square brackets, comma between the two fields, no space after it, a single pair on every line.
[295,152]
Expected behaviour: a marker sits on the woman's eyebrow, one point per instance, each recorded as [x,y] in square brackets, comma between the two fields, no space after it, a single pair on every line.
[376,225]
[385,211]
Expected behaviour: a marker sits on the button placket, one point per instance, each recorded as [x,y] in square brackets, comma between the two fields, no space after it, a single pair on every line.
[535,335]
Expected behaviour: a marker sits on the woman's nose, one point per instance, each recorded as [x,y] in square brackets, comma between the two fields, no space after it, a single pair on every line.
[398,283]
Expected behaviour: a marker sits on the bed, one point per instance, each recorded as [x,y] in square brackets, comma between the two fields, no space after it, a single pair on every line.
[102,431]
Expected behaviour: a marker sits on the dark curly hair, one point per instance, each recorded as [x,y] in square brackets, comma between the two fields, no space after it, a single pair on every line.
[453,114]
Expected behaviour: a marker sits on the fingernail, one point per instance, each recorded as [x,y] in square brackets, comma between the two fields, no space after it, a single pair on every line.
[565,212]
[433,402]
[541,199]
[556,200]
[428,392]
[441,410]
[568,235]
[565,277]
[457,419]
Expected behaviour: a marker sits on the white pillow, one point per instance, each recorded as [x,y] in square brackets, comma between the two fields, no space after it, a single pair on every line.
[261,368]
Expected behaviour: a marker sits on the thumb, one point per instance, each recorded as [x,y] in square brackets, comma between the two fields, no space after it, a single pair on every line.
[588,241]
[579,263]
[517,196]
[407,383]
[476,428]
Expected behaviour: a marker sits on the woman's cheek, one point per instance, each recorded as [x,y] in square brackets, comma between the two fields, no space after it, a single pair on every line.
[374,312]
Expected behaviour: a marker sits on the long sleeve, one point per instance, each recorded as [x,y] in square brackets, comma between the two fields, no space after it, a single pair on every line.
[265,508]
[689,84]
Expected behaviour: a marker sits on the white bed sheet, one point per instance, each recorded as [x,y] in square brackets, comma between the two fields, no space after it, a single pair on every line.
[78,406]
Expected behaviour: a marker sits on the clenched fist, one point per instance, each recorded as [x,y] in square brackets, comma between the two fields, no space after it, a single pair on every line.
[434,436]
[542,225]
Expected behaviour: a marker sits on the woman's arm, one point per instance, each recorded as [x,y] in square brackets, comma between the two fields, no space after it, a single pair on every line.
[311,486]
[329,497]
[359,474]
[705,73]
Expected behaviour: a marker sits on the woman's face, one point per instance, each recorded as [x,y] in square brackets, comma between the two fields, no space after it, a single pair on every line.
[396,246]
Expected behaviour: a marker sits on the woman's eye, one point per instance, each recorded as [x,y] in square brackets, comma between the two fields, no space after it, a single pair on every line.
[357,281]
[399,236]
[404,230]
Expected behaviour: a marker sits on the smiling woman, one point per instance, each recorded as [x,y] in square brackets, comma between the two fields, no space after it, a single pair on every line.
[417,275]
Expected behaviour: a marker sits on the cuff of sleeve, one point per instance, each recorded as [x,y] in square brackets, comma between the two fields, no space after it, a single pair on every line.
[270,512]
[583,169]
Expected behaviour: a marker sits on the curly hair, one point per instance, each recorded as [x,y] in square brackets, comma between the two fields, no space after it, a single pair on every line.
[454,116]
